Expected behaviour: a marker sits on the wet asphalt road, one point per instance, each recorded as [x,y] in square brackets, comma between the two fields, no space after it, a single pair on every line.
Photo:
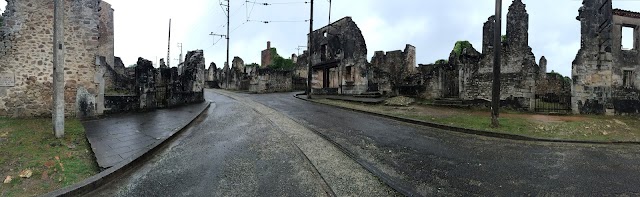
[242,148]
[425,161]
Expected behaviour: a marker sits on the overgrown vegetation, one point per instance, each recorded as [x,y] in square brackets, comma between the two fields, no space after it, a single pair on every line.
[460,46]
[503,38]
[442,61]
[565,79]
[29,145]
[280,63]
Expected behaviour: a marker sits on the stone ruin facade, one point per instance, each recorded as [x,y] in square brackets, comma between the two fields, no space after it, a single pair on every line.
[340,65]
[339,59]
[394,72]
[519,71]
[250,78]
[161,87]
[26,57]
[605,76]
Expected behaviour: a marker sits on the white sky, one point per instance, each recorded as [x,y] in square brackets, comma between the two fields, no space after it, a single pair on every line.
[433,26]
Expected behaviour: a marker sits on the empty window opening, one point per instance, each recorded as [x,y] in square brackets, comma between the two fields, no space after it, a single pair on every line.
[627,78]
[627,38]
[348,72]
[324,34]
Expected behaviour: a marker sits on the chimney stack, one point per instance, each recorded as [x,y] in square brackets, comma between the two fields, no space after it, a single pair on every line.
[268,44]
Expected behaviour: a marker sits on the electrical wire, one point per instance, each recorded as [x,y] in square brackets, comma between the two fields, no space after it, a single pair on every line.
[277,3]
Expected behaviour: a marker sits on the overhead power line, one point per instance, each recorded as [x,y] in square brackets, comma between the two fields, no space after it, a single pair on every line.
[266,22]
[277,3]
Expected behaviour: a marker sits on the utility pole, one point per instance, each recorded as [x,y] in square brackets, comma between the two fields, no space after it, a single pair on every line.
[58,69]
[300,47]
[497,47]
[180,58]
[227,36]
[169,46]
[309,45]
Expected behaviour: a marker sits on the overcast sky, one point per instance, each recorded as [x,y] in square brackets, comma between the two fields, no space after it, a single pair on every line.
[433,26]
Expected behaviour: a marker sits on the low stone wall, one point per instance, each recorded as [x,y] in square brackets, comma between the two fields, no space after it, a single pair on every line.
[120,104]
[269,80]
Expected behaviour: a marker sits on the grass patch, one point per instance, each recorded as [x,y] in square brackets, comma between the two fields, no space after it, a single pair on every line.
[593,128]
[29,144]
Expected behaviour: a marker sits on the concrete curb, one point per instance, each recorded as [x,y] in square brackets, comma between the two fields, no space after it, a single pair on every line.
[473,131]
[110,174]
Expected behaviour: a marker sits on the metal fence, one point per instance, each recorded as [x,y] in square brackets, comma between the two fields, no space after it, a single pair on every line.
[553,103]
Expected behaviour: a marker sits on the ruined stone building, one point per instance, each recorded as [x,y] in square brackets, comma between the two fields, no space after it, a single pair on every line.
[26,57]
[339,59]
[605,76]
[468,75]
[394,72]
[266,56]
[162,87]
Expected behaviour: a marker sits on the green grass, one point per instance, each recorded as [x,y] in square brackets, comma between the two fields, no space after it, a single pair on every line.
[30,144]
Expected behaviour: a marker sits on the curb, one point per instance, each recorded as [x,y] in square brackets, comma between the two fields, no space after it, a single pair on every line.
[473,131]
[114,172]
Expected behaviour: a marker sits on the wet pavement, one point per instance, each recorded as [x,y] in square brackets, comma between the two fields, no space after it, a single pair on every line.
[242,148]
[425,161]
[119,137]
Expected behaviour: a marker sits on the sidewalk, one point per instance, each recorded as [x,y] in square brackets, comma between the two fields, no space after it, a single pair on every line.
[118,137]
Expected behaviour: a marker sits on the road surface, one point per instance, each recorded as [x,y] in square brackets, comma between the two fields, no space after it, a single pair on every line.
[274,145]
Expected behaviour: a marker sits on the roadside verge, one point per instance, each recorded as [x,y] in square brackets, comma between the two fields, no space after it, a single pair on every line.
[470,131]
[111,173]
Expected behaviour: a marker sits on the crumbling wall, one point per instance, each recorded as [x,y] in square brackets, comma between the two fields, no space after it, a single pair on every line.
[26,56]
[593,66]
[162,87]
[393,69]
[193,72]
[269,80]
[266,56]
[339,59]
[519,69]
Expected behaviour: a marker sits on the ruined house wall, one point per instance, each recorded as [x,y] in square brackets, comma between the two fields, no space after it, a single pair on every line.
[265,55]
[519,69]
[431,78]
[391,69]
[340,46]
[26,55]
[106,34]
[161,87]
[625,60]
[269,80]
[593,66]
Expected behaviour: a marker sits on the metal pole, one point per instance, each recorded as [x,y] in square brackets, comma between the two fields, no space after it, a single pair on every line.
[169,46]
[309,53]
[228,23]
[497,47]
[58,69]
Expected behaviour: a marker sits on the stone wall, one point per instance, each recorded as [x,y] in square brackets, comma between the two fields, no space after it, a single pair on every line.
[162,87]
[605,77]
[393,69]
[269,80]
[339,59]
[26,56]
[266,55]
[519,69]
